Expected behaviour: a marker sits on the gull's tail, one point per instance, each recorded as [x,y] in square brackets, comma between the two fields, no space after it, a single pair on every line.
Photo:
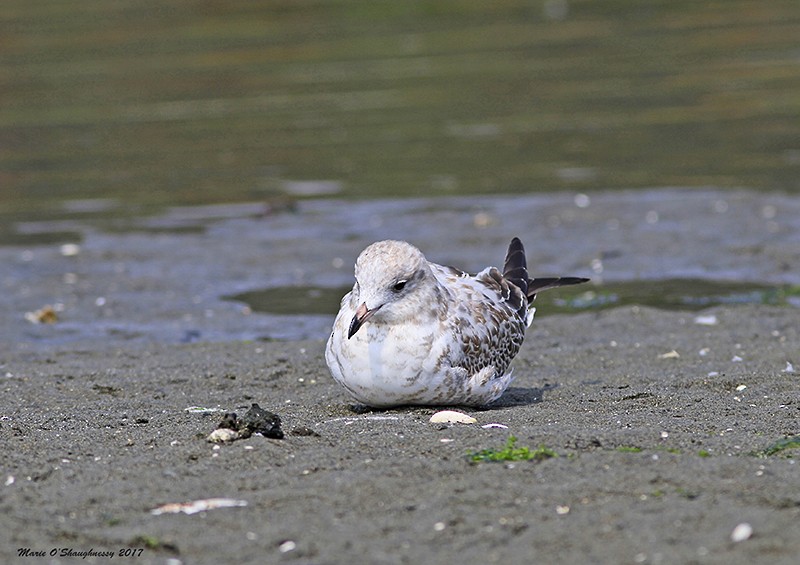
[515,267]
[515,271]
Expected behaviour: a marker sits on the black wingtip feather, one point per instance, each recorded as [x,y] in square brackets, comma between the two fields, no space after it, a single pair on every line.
[515,267]
[515,271]
[538,285]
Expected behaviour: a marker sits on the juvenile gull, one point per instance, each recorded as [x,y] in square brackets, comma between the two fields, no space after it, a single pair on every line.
[414,332]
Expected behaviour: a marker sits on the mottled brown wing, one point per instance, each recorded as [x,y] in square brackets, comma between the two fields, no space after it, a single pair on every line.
[486,327]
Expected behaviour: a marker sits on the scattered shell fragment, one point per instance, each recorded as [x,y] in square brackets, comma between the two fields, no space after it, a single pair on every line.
[708,320]
[740,388]
[196,506]
[222,435]
[669,355]
[44,315]
[736,359]
[203,410]
[789,368]
[9,480]
[741,532]
[495,425]
[452,417]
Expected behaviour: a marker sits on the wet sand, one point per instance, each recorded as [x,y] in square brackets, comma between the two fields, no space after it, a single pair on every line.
[657,452]
[163,278]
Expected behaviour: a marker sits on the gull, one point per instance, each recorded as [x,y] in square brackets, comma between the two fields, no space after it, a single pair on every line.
[412,332]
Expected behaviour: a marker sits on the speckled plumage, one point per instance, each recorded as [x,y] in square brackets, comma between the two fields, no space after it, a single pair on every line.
[414,332]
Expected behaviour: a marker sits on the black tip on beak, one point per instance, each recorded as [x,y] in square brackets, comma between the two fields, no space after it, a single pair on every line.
[354,325]
[362,315]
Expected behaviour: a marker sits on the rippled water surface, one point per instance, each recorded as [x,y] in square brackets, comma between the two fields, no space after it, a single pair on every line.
[148,104]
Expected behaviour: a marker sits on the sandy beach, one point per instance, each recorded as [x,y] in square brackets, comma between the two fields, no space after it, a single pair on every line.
[672,432]
[660,424]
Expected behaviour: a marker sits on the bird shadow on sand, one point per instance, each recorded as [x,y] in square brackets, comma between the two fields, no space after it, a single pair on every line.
[513,396]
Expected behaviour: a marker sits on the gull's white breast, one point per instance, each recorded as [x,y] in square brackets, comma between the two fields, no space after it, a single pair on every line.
[387,364]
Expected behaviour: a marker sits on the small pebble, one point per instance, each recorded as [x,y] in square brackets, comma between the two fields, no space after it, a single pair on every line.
[710,320]
[741,532]
[304,431]
[44,315]
[70,249]
[582,200]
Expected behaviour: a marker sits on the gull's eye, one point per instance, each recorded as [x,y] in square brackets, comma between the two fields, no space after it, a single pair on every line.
[399,285]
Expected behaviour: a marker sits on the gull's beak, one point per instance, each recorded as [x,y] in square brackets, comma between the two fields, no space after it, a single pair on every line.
[362,315]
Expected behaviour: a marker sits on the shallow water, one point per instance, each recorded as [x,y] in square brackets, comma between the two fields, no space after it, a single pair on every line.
[669,294]
[169,277]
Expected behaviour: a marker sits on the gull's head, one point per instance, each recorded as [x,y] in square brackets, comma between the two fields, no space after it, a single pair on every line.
[388,273]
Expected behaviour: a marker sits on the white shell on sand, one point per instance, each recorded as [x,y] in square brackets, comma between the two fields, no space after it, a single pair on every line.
[222,435]
[741,532]
[196,506]
[452,417]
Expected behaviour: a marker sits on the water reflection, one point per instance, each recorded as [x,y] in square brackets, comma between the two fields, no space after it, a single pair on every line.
[234,102]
